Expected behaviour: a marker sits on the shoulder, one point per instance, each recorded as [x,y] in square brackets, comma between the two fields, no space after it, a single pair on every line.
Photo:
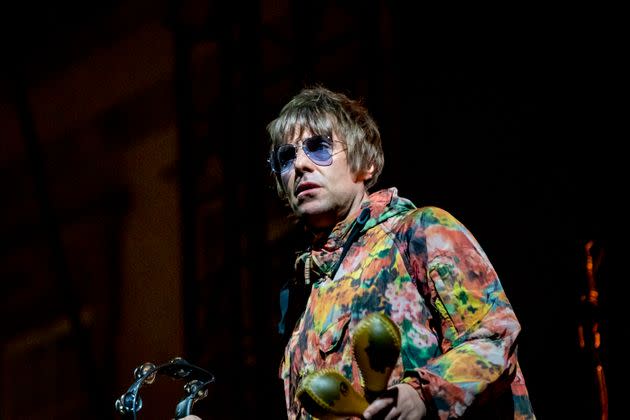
[428,216]
[436,216]
[429,225]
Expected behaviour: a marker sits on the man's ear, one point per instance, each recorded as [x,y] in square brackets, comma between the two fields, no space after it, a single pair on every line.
[365,174]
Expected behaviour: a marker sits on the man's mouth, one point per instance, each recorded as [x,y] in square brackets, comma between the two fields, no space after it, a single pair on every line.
[305,186]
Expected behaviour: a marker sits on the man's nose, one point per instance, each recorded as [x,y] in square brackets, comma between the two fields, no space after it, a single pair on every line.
[301,160]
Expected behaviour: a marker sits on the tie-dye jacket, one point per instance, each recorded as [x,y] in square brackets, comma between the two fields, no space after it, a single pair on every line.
[425,270]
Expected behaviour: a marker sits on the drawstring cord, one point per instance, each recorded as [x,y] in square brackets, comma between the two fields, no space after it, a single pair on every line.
[284,292]
[356,228]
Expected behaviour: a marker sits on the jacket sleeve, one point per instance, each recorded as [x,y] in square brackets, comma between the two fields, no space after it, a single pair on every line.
[474,319]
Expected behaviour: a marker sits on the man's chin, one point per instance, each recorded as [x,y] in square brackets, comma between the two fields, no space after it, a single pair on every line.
[308,214]
[306,207]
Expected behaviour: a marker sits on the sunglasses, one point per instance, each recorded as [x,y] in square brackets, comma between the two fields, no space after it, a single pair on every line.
[319,150]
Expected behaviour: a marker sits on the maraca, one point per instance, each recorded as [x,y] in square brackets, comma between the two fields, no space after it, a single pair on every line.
[327,395]
[376,344]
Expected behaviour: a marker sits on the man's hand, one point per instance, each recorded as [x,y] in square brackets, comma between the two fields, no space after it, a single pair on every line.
[191,417]
[403,404]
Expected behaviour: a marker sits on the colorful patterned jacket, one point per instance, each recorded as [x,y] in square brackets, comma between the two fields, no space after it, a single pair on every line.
[426,271]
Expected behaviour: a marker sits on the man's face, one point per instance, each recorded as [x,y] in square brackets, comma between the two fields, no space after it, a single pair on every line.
[322,195]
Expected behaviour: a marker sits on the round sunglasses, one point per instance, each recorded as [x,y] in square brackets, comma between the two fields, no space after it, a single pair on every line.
[319,150]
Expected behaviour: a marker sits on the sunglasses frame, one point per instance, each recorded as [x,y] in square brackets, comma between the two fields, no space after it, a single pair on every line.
[275,163]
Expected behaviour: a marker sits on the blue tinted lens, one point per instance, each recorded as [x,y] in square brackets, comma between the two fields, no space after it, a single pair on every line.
[319,150]
[285,156]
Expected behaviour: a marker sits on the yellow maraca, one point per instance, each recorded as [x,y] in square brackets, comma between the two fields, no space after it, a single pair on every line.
[327,395]
[376,344]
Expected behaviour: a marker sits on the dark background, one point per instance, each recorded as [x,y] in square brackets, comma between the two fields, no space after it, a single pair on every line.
[139,220]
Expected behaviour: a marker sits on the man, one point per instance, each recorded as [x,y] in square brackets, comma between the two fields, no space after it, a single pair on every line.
[379,253]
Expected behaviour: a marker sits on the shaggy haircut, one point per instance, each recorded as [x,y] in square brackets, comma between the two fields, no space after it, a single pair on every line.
[322,112]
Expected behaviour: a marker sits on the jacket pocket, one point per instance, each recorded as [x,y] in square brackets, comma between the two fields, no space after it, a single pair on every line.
[333,335]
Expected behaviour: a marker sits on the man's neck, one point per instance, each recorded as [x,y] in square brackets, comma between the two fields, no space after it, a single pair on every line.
[321,233]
